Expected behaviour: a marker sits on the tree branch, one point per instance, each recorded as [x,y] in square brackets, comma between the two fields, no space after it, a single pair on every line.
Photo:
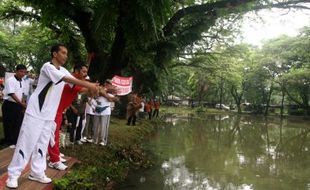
[212,7]
[204,8]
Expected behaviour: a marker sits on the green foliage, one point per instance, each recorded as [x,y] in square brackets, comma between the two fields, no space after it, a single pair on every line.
[242,73]
[201,109]
[103,165]
[297,112]
[80,180]
[143,38]
[127,31]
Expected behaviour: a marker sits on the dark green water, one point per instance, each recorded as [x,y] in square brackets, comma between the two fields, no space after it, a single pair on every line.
[227,152]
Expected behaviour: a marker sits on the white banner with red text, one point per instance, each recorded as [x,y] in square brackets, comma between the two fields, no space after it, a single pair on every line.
[123,84]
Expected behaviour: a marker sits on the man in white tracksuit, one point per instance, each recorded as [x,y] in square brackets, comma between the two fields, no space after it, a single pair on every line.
[38,124]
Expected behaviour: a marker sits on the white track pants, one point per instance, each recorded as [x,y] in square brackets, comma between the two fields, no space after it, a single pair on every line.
[105,122]
[33,140]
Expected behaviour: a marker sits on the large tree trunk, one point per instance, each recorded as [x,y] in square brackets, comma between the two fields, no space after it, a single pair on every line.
[268,100]
[237,97]
[282,102]
[96,66]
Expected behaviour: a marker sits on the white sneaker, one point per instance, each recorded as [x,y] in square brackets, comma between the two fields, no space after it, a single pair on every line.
[79,142]
[61,155]
[62,159]
[12,182]
[103,144]
[89,140]
[12,146]
[83,140]
[42,179]
[57,165]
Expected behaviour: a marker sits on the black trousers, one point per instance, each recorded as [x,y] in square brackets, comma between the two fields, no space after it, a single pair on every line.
[155,113]
[132,119]
[12,115]
[77,129]
[150,115]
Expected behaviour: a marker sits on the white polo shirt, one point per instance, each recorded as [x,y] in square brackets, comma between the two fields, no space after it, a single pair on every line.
[12,85]
[104,102]
[44,101]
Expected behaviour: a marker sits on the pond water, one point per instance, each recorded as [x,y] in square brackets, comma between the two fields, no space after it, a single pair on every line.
[227,152]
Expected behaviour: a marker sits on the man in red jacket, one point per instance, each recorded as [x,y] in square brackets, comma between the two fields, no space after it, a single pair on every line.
[67,97]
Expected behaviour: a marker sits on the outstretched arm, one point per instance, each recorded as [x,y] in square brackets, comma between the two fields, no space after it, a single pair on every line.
[93,87]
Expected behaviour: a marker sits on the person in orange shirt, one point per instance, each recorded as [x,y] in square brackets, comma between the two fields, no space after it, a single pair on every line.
[156,108]
[148,109]
[152,105]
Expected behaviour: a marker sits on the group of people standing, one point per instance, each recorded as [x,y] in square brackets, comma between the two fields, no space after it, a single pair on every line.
[41,117]
[32,124]
[82,111]
[139,106]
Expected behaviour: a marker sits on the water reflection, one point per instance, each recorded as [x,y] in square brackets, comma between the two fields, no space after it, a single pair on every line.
[228,152]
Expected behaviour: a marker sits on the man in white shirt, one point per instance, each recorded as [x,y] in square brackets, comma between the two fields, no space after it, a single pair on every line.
[89,119]
[28,85]
[13,105]
[38,126]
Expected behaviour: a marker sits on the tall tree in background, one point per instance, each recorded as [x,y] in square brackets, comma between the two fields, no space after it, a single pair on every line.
[123,36]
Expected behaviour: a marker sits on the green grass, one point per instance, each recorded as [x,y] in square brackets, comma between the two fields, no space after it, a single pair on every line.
[100,166]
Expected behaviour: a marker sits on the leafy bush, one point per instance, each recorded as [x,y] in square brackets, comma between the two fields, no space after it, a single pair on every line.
[101,166]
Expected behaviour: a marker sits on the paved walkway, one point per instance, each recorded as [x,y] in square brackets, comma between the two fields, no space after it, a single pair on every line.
[25,184]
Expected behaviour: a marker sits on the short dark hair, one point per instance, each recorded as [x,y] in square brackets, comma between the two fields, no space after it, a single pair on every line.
[56,48]
[78,67]
[20,67]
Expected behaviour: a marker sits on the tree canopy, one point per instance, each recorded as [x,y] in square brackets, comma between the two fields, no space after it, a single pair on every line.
[137,37]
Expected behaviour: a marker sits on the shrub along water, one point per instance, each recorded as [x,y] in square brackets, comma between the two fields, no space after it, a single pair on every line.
[101,166]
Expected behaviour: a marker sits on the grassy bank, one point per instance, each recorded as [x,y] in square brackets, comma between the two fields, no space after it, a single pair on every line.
[188,110]
[103,166]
